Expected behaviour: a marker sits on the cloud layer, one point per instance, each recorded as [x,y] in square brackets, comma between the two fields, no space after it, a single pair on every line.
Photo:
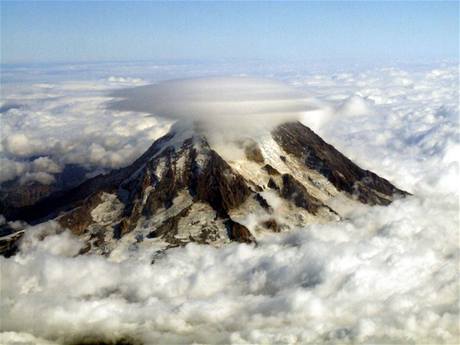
[383,275]
[67,123]
[402,124]
[386,275]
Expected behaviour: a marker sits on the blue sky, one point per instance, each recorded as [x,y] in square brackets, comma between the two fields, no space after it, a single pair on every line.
[116,31]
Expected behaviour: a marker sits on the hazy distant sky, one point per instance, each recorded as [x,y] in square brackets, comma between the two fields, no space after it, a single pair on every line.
[96,31]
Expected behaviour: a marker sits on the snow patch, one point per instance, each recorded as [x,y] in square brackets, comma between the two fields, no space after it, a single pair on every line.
[108,210]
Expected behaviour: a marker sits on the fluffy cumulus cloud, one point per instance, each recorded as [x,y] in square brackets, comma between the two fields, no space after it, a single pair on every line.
[382,275]
[386,275]
[402,124]
[67,122]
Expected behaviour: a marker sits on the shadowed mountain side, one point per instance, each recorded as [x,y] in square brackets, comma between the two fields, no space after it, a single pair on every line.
[49,206]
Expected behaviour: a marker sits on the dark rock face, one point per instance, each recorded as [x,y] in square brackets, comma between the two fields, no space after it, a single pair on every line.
[271,170]
[14,194]
[80,218]
[238,232]
[218,185]
[272,184]
[294,191]
[263,202]
[346,176]
[17,195]
[272,225]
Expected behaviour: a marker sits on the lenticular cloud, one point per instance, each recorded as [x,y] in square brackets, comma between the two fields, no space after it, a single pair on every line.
[222,104]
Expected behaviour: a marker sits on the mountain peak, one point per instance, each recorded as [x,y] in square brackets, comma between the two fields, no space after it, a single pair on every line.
[186,189]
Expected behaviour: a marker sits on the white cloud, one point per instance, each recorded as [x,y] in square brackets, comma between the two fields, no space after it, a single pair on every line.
[10,169]
[387,274]
[354,106]
[383,275]
[68,123]
[399,131]
[18,144]
[42,177]
[45,164]
[223,106]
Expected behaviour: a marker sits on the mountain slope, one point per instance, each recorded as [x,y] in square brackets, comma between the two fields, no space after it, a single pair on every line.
[184,189]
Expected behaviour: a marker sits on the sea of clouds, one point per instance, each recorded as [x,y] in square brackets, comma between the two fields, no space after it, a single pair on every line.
[383,275]
[46,126]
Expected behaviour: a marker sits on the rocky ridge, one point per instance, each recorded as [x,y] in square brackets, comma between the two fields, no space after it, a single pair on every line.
[185,189]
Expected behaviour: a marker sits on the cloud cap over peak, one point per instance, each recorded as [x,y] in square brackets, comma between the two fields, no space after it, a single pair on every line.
[230,103]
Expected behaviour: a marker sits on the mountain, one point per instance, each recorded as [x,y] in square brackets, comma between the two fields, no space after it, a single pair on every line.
[16,193]
[185,189]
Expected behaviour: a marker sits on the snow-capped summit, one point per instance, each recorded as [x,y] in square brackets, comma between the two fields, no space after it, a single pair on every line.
[186,189]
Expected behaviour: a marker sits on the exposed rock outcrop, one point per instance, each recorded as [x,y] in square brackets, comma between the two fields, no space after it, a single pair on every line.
[294,191]
[316,154]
